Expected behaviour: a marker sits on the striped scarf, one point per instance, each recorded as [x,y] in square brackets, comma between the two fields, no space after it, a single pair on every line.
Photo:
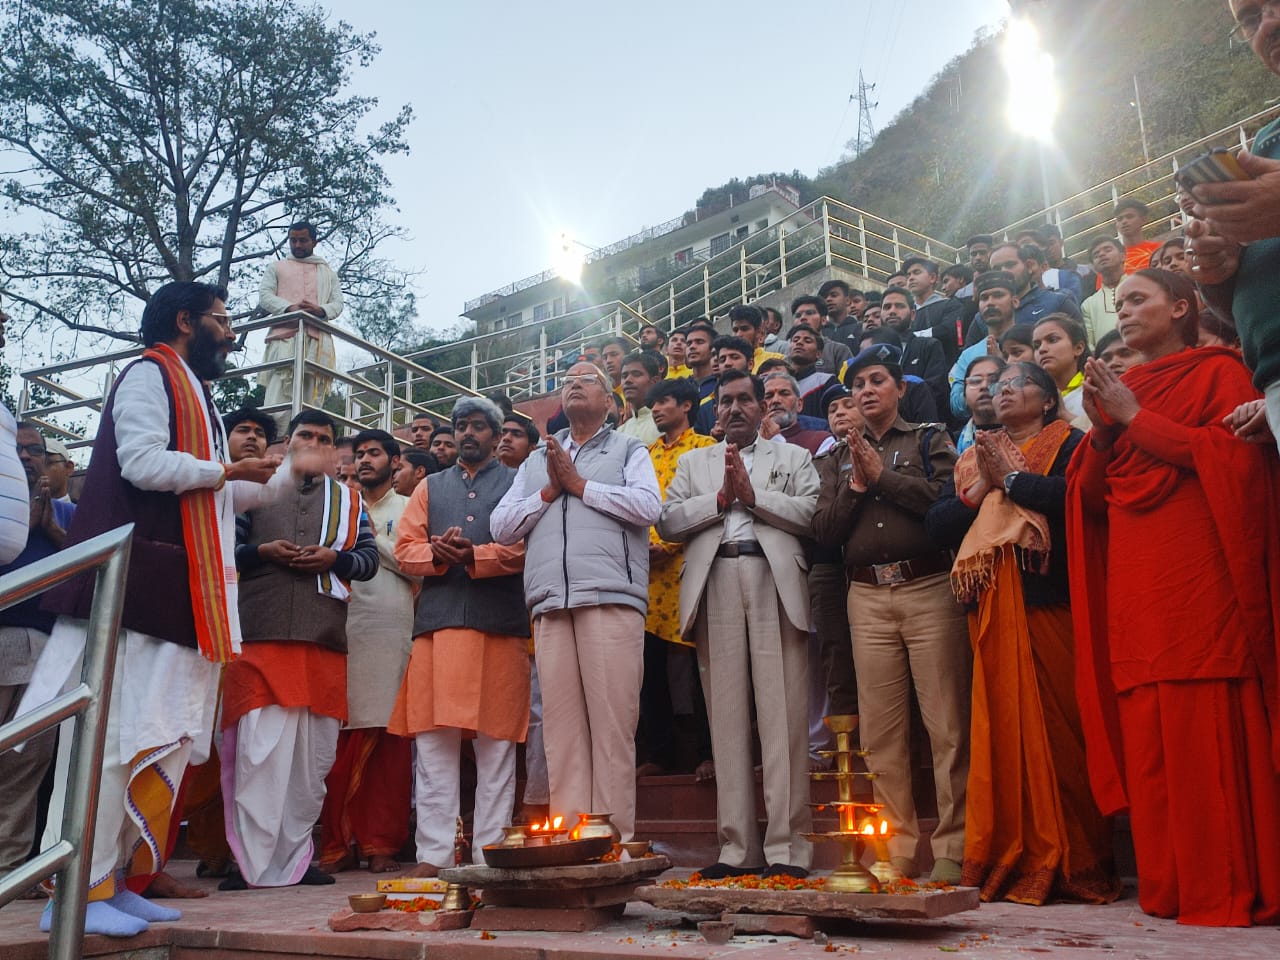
[207,570]
[342,509]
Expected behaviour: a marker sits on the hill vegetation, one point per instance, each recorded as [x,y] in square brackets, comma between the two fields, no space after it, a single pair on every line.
[950,164]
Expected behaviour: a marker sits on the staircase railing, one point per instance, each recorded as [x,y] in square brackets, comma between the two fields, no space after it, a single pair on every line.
[89,701]
[1091,212]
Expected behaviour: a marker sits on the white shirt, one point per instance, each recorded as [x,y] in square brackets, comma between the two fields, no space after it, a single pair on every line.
[636,501]
[737,518]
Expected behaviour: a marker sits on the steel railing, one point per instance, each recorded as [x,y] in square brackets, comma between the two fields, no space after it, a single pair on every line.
[89,701]
[1086,214]
[65,398]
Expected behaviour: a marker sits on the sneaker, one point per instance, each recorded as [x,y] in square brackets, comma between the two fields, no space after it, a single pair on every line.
[945,871]
[722,871]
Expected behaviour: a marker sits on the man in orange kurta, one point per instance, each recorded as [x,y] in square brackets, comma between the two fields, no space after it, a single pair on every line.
[469,668]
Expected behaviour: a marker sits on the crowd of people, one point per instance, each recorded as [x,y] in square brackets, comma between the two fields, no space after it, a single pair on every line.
[1034,497]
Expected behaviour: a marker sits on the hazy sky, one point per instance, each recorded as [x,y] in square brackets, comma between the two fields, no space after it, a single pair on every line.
[599,119]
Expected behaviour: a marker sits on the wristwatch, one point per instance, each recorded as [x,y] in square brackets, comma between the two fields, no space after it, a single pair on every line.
[1008,481]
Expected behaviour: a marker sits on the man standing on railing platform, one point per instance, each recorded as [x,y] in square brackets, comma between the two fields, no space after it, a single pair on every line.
[160,462]
[300,282]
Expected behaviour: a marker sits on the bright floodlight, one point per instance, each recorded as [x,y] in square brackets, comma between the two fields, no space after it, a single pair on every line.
[1033,90]
[566,259]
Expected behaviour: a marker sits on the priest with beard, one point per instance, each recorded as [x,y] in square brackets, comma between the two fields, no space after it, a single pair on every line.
[160,462]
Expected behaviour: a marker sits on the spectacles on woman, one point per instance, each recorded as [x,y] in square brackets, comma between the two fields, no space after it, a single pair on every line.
[1013,385]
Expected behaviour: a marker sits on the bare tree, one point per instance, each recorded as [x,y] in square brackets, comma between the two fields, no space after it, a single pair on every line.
[163,140]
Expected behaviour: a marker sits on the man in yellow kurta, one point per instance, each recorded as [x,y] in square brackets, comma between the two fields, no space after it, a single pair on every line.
[469,668]
[671,701]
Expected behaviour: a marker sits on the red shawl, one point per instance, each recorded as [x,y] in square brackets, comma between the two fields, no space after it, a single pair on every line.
[1187,394]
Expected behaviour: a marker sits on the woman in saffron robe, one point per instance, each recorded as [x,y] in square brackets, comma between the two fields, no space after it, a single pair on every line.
[1032,829]
[1175,575]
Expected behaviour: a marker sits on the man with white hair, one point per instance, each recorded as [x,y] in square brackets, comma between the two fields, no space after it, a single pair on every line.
[585,503]
[469,668]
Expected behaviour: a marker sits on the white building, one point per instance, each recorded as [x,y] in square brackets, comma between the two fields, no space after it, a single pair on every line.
[623,270]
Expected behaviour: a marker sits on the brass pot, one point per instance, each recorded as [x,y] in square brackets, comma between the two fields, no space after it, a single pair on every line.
[596,825]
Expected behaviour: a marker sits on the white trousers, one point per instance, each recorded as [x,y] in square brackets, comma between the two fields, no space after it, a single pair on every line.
[437,793]
[273,768]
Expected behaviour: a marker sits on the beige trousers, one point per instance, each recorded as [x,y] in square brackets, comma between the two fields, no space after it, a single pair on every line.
[748,652]
[590,663]
[905,635]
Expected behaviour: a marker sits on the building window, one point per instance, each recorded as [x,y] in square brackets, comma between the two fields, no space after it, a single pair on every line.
[741,233]
[513,320]
[557,307]
[762,224]
[684,257]
[541,312]
[719,244]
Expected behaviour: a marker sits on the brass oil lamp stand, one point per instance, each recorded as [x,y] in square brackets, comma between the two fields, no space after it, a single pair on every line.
[856,819]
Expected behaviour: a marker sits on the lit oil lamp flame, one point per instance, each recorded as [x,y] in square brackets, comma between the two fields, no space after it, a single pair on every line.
[884,828]
[869,830]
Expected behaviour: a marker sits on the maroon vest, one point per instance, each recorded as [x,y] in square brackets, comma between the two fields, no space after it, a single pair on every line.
[157,597]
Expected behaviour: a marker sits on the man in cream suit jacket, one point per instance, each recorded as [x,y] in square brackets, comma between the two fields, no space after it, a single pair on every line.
[743,508]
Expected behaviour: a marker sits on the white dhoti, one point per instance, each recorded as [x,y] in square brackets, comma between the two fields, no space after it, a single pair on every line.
[274,764]
[163,701]
[279,382]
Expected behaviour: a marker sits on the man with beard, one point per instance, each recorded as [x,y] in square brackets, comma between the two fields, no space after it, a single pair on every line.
[302,282]
[922,356]
[160,462]
[366,803]
[997,305]
[782,417]
[285,698]
[743,509]
[469,669]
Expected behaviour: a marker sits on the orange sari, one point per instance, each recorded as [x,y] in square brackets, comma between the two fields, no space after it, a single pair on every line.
[1032,829]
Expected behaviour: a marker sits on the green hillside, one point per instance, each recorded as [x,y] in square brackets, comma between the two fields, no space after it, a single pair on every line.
[950,164]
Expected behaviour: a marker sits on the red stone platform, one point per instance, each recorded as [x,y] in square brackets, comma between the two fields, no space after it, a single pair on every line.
[292,923]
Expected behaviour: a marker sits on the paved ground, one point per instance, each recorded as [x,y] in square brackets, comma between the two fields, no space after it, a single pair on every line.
[292,923]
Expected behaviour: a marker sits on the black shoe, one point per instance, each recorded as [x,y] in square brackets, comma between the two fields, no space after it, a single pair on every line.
[722,871]
[315,877]
[785,870]
[235,881]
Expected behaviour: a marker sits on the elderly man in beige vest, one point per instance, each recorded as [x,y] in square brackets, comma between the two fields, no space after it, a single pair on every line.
[584,504]
[300,282]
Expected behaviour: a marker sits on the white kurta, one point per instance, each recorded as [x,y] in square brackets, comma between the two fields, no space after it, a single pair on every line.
[379,623]
[168,691]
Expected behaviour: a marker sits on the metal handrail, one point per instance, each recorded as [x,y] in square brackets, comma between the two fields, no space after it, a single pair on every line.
[389,397]
[89,700]
[1089,212]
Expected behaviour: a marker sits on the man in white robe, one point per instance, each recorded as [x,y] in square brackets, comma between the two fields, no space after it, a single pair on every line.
[156,470]
[300,282]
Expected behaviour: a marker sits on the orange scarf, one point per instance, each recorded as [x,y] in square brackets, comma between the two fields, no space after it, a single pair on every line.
[201,535]
[1001,523]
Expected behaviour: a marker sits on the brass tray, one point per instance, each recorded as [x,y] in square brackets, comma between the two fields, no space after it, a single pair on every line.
[549,855]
